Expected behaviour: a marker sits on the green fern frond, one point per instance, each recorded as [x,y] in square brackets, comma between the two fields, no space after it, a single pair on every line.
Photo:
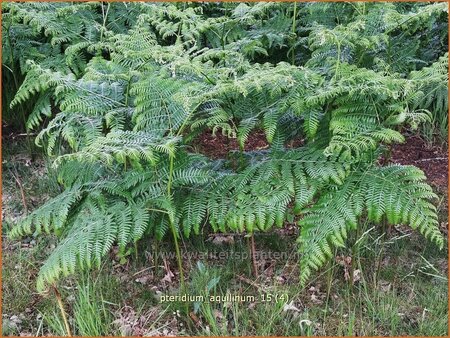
[118,92]
[398,193]
[52,216]
[123,147]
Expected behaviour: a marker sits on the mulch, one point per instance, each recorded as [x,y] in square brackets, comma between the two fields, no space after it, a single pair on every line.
[219,146]
[432,160]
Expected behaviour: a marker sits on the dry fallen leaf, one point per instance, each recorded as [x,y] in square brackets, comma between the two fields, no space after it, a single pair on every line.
[315,299]
[142,280]
[306,322]
[194,318]
[218,314]
[223,239]
[356,276]
[290,307]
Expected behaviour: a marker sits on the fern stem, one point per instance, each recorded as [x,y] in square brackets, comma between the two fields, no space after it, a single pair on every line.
[330,273]
[173,229]
[157,210]
[222,38]
[177,249]
[13,67]
[136,251]
[338,62]
[186,120]
[63,312]
[352,268]
[22,192]
[105,17]
[253,249]
[355,256]
[127,94]
[169,183]
[16,84]
[294,26]
[156,254]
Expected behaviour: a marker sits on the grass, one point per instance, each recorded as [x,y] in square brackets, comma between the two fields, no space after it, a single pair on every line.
[435,132]
[400,288]
[399,303]
[91,313]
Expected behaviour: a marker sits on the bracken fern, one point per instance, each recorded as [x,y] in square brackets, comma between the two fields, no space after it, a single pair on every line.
[123,92]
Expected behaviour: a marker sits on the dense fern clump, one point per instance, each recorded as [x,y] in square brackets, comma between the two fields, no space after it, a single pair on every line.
[120,90]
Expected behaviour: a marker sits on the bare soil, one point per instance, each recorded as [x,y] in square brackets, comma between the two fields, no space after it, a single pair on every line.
[432,160]
[218,145]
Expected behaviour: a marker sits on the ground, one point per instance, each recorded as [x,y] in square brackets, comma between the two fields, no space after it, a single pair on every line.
[387,283]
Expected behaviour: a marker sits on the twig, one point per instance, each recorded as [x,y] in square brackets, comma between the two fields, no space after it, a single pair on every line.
[432,159]
[225,234]
[22,193]
[22,134]
[241,234]
[249,282]
[143,270]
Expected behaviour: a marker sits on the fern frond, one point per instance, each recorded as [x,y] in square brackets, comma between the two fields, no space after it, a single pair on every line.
[52,216]
[123,146]
[398,193]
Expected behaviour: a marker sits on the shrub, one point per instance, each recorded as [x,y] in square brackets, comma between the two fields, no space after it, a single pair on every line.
[126,87]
